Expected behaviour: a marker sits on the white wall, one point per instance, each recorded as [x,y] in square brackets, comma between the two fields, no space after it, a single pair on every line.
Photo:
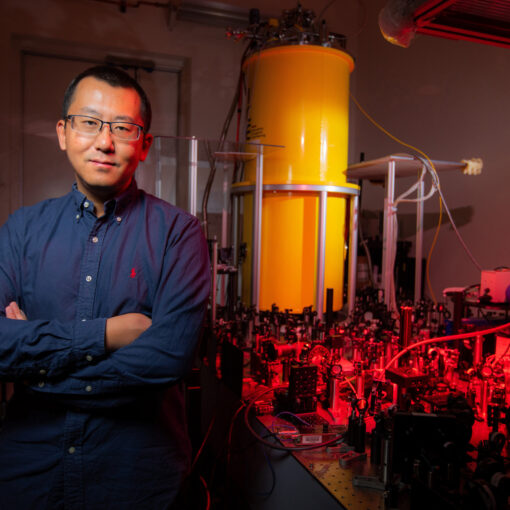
[450,99]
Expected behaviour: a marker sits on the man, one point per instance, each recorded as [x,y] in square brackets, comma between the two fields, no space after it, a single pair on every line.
[104,290]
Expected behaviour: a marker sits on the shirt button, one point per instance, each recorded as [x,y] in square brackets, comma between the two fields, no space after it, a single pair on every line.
[88,357]
[84,320]
[77,216]
[85,204]
[71,450]
[41,384]
[42,371]
[88,388]
[95,239]
[88,278]
[119,219]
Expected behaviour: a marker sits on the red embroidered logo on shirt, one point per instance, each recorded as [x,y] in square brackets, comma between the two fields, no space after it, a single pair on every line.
[133,273]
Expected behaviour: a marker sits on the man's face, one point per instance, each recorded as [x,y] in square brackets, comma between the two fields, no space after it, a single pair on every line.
[103,164]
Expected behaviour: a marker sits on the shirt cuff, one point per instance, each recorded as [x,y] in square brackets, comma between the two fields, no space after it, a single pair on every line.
[88,340]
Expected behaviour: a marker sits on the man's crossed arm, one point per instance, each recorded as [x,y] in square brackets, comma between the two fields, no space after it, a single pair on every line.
[120,330]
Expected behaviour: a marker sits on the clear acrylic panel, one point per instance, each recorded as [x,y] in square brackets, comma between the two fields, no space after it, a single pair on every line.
[166,172]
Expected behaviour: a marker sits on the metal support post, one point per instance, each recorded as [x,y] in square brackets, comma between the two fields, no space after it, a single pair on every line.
[224,230]
[353,252]
[478,351]
[419,243]
[159,170]
[321,253]
[235,241]
[226,206]
[214,281]
[389,241]
[257,231]
[192,177]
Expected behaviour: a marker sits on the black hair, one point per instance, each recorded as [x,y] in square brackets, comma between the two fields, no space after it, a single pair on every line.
[116,78]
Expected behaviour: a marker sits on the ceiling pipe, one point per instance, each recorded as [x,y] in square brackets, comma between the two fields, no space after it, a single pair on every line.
[197,11]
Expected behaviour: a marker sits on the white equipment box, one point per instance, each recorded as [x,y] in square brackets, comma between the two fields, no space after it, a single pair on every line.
[497,284]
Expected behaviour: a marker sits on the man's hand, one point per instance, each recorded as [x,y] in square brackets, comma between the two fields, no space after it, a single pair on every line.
[124,329]
[13,311]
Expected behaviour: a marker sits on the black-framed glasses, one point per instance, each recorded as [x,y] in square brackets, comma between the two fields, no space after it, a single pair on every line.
[91,126]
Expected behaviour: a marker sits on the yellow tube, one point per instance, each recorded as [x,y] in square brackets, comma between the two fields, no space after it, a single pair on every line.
[298,96]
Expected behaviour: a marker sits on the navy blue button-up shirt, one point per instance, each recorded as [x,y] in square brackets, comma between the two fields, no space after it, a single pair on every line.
[86,428]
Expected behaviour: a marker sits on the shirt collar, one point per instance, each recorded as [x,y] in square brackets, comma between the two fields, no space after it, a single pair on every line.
[126,198]
[116,205]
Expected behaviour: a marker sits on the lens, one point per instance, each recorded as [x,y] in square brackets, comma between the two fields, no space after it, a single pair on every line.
[85,124]
[125,131]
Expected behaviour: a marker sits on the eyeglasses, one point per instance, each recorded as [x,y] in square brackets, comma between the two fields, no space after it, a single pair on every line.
[91,126]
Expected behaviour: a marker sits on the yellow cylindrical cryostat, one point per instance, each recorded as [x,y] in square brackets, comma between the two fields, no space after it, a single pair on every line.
[298,97]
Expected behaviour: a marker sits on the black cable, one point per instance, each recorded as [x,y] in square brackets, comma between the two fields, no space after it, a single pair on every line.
[265,495]
[325,8]
[362,25]
[363,243]
[221,143]
[230,431]
[212,164]
[207,493]
[252,442]
[206,437]
[226,445]
[426,163]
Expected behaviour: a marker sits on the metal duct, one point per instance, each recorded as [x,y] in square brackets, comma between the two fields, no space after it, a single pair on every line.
[484,21]
[396,21]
